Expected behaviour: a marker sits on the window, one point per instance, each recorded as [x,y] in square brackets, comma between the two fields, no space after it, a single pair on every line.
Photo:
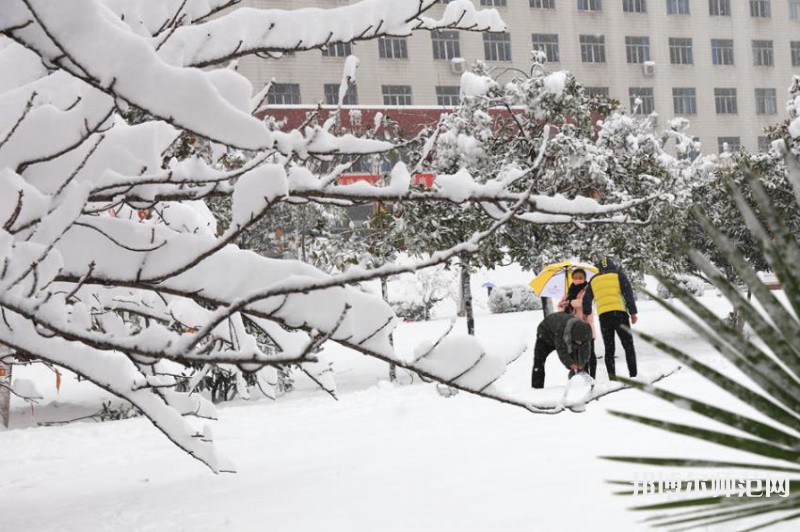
[596,91]
[722,51]
[544,4]
[284,94]
[795,48]
[794,9]
[493,2]
[332,94]
[725,101]
[719,8]
[759,8]
[678,7]
[728,144]
[680,51]
[547,43]
[393,48]
[642,102]
[634,6]
[684,100]
[763,144]
[590,5]
[446,44]
[763,54]
[339,49]
[497,46]
[448,95]
[396,94]
[593,48]
[637,49]
[766,102]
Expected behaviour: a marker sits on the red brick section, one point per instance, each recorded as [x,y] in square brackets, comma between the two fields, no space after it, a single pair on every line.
[409,120]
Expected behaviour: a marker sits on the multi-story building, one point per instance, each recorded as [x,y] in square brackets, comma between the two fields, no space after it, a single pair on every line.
[723,64]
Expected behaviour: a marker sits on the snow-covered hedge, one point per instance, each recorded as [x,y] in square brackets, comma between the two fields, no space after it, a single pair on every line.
[516,298]
[690,283]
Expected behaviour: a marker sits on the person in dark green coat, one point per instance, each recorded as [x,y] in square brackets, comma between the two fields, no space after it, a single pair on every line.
[568,336]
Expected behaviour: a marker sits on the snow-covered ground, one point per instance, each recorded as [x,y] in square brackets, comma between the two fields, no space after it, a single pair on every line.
[383,458]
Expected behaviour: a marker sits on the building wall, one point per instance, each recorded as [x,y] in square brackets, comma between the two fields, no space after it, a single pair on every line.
[311,70]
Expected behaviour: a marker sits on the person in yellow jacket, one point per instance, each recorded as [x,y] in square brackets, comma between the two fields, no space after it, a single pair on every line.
[613,294]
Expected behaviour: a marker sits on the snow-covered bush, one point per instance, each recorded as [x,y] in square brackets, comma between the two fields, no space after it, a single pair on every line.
[113,265]
[417,294]
[516,298]
[410,310]
[690,283]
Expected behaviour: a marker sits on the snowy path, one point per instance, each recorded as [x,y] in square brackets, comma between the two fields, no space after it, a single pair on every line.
[383,458]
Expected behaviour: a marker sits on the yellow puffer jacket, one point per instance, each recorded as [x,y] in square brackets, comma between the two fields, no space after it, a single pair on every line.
[608,292]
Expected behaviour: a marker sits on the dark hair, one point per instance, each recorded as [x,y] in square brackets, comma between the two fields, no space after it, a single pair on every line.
[579,270]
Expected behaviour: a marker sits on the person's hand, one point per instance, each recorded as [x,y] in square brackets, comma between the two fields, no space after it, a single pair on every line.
[634,319]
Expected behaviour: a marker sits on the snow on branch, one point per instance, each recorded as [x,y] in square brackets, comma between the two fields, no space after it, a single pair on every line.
[250,31]
[112,264]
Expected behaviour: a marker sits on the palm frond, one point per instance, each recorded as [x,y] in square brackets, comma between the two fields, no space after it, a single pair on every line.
[770,360]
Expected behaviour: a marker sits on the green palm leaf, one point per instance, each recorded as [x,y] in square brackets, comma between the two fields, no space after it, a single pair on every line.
[771,362]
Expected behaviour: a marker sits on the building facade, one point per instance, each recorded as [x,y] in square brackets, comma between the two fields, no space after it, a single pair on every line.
[723,64]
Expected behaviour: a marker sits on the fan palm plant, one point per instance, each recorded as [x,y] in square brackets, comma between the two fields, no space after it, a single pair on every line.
[769,357]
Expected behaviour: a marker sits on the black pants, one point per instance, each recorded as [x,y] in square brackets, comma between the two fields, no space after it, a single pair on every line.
[592,366]
[610,323]
[541,351]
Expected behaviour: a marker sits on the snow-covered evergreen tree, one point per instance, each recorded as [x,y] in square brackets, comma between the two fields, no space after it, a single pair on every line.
[113,265]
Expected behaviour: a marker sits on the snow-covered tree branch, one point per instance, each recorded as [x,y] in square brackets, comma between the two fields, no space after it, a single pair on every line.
[112,266]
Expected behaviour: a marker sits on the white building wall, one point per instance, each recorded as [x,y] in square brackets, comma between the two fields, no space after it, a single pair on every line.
[423,73]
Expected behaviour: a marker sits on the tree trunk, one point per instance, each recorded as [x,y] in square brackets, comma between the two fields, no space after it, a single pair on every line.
[466,296]
[5,393]
[547,306]
[385,296]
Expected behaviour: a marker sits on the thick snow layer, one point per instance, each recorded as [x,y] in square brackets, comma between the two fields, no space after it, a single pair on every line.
[308,463]
[475,85]
[555,82]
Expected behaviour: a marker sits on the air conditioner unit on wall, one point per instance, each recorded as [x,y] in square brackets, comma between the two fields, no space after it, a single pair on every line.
[458,65]
[649,68]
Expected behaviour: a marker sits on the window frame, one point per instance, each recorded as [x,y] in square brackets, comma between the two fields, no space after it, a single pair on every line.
[726,103]
[766,101]
[441,95]
[763,55]
[760,9]
[386,93]
[277,92]
[497,45]
[678,7]
[445,42]
[723,52]
[547,46]
[339,49]
[794,9]
[393,48]
[634,6]
[597,48]
[681,53]
[637,52]
[684,103]
[719,8]
[648,100]
[735,142]
[590,6]
[350,97]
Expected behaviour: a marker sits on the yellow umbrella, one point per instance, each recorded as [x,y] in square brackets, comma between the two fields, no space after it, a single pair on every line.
[554,279]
